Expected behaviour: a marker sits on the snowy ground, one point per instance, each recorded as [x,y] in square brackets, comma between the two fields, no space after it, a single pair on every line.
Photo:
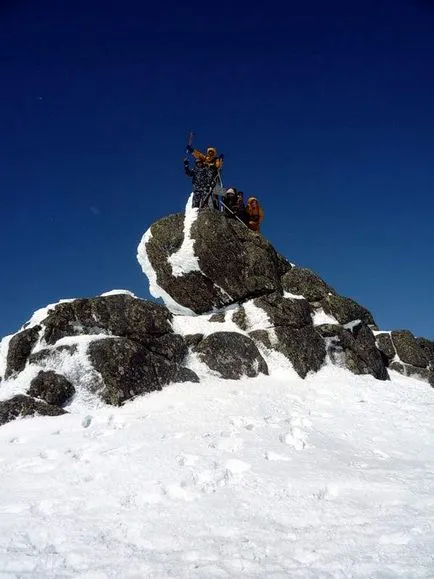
[330,477]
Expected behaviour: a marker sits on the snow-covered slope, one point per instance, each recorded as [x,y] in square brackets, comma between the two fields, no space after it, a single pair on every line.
[332,476]
[269,477]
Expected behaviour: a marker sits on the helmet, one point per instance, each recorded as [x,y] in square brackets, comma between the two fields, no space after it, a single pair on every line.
[211,152]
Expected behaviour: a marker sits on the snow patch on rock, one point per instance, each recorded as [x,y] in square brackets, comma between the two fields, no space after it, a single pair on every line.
[319,317]
[155,290]
[184,260]
[116,292]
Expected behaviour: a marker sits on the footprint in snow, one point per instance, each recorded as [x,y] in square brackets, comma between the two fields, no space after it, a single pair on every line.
[275,456]
[296,438]
[186,459]
[179,492]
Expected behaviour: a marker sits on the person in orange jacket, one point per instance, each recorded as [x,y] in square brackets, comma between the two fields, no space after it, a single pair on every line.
[254,213]
[209,158]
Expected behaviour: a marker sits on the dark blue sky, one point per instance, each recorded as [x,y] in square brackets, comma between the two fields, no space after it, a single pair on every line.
[324,110]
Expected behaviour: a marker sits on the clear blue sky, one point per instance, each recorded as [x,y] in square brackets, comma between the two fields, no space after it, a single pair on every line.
[324,110]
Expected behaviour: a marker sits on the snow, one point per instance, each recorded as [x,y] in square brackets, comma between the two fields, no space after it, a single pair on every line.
[184,260]
[154,289]
[293,296]
[332,477]
[320,317]
[351,325]
[329,477]
[75,366]
[116,292]
[4,347]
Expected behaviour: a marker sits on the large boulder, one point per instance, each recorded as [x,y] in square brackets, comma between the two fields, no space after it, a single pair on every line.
[302,281]
[304,347]
[51,387]
[293,313]
[425,374]
[408,349]
[294,335]
[125,368]
[427,347]
[346,310]
[118,315]
[231,355]
[385,345]
[234,263]
[21,406]
[20,347]
[140,353]
[355,350]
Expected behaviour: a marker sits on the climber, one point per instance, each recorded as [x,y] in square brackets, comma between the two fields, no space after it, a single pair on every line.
[233,205]
[241,209]
[204,174]
[230,201]
[254,214]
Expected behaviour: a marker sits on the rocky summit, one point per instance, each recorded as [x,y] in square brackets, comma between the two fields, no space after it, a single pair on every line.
[230,302]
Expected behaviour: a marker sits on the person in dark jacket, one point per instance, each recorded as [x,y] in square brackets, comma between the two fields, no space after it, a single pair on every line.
[230,201]
[204,173]
[234,204]
[241,208]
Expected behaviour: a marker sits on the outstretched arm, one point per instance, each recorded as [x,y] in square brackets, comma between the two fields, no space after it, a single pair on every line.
[198,155]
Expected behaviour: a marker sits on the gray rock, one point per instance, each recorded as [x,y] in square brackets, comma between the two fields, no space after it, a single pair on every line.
[232,355]
[427,348]
[366,350]
[127,369]
[236,263]
[185,375]
[346,310]
[170,346]
[283,265]
[239,318]
[261,336]
[408,349]
[424,374]
[51,387]
[20,347]
[193,339]
[304,348]
[284,311]
[398,367]
[385,345]
[218,318]
[118,315]
[296,336]
[355,350]
[301,281]
[21,406]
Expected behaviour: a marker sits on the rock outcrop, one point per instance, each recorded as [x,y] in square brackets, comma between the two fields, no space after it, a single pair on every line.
[232,263]
[407,355]
[117,347]
[231,355]
[21,406]
[212,269]
[52,388]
